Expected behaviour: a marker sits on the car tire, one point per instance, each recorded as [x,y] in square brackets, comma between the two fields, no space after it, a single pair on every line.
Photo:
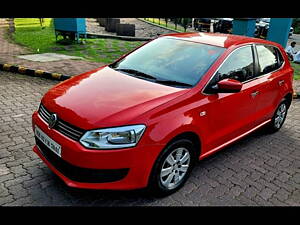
[166,178]
[279,117]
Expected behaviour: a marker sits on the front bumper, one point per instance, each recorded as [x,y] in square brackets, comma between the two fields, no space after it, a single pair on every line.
[121,169]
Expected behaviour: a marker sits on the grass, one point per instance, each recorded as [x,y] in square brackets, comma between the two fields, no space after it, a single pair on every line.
[30,34]
[296,70]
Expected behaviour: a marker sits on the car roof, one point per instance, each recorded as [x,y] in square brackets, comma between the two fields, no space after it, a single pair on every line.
[217,39]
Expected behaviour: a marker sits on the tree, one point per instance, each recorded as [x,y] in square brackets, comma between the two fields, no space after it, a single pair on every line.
[185,22]
[176,19]
[42,22]
[166,19]
[296,25]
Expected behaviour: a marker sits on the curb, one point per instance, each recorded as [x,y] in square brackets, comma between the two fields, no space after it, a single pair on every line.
[296,95]
[34,73]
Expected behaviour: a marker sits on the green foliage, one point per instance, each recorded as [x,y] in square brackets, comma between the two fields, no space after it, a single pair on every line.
[296,68]
[296,25]
[30,33]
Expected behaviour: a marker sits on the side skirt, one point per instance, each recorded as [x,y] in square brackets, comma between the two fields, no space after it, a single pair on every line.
[232,140]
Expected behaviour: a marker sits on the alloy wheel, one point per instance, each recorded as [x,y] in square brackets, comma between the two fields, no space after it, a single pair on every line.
[280,115]
[175,168]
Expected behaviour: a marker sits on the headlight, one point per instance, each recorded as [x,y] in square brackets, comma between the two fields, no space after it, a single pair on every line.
[113,138]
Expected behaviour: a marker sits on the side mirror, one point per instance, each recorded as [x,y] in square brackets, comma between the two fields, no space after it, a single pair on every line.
[228,86]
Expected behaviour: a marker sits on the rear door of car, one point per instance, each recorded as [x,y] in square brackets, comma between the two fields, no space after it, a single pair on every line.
[271,78]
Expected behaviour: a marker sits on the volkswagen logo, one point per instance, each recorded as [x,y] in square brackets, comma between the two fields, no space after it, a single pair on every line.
[52,120]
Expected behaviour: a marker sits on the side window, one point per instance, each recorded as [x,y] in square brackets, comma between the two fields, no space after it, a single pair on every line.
[239,66]
[280,57]
[268,58]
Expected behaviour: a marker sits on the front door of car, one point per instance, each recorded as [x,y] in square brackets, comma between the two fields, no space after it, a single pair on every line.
[231,114]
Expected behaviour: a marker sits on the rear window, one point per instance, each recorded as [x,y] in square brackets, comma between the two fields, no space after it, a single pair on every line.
[172,59]
[269,58]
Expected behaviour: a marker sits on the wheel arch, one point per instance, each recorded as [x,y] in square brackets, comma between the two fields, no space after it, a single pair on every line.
[289,98]
[190,135]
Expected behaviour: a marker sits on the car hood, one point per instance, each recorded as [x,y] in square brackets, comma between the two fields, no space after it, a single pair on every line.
[106,98]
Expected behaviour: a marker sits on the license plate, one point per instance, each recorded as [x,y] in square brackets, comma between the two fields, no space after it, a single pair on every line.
[52,145]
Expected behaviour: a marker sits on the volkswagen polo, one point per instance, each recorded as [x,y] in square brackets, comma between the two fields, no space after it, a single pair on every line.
[145,119]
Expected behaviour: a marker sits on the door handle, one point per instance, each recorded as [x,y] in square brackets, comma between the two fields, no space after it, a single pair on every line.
[281,82]
[253,94]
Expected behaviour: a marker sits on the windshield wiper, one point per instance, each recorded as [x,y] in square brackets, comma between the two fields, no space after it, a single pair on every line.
[137,73]
[157,80]
[173,82]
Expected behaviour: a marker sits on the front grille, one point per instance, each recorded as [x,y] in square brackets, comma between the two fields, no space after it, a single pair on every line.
[80,174]
[63,127]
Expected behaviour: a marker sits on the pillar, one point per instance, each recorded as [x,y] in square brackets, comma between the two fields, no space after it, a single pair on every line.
[244,26]
[279,30]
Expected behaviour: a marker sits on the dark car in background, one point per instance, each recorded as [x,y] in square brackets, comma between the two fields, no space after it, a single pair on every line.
[202,24]
[223,25]
[262,28]
[220,25]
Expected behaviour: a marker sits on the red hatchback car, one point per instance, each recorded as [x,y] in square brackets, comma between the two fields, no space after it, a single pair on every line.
[144,120]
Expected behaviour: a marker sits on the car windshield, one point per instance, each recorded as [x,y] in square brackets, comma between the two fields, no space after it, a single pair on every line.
[170,61]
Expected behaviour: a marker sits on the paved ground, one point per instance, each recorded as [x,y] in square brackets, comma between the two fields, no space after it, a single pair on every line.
[142,29]
[260,170]
[10,51]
